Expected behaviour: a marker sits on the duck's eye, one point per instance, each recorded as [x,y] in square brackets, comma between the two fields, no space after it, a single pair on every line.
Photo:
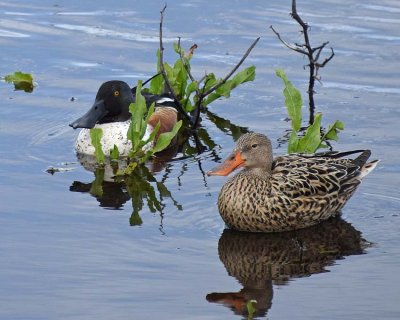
[255,145]
[116,93]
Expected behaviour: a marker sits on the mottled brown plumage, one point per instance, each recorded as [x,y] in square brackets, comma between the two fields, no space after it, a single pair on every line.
[291,192]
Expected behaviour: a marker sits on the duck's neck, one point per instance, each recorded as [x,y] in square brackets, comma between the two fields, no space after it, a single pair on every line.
[262,173]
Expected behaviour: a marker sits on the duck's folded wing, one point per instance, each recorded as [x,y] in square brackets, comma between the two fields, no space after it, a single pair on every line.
[299,176]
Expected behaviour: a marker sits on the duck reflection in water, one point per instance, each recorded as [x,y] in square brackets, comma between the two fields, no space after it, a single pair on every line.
[258,260]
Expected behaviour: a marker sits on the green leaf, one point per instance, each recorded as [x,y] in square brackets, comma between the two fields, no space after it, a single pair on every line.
[21,81]
[153,133]
[293,143]
[95,136]
[135,219]
[211,97]
[192,87]
[180,79]
[210,80]
[293,100]
[137,128]
[130,168]
[96,188]
[225,89]
[251,309]
[114,153]
[178,49]
[243,76]
[333,130]
[312,138]
[165,138]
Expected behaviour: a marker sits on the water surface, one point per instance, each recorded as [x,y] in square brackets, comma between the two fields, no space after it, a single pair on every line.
[75,245]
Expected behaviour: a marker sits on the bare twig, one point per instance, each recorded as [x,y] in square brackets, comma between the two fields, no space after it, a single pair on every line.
[233,70]
[288,45]
[197,109]
[162,69]
[313,55]
[326,60]
[201,94]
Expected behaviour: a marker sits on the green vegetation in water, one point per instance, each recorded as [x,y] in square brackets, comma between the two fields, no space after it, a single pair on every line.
[313,137]
[138,127]
[191,93]
[251,309]
[21,81]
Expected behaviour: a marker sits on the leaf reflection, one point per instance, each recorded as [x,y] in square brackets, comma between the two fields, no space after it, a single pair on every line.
[258,260]
[113,192]
[141,187]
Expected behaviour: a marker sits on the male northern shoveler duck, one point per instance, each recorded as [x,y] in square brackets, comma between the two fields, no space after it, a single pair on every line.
[110,112]
[289,192]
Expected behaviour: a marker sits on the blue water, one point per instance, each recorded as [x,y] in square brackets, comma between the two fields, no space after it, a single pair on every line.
[72,255]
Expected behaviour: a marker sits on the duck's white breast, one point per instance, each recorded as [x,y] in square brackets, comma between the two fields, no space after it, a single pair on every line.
[114,133]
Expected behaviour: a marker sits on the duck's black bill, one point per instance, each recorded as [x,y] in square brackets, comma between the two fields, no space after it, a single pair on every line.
[90,118]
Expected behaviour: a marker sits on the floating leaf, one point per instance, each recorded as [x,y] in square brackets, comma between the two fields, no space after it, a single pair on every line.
[95,136]
[21,81]
[293,100]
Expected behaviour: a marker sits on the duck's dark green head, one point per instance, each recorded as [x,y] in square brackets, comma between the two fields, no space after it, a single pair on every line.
[111,105]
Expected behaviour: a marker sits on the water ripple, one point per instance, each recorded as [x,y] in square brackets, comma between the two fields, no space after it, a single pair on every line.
[98,31]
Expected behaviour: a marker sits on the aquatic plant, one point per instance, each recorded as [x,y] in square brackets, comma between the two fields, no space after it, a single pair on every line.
[191,95]
[251,309]
[21,81]
[313,137]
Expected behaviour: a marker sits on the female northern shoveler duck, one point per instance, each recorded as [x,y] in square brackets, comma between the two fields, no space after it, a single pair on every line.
[289,192]
[110,112]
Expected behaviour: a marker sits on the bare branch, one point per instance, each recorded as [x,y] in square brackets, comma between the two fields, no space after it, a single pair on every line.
[162,69]
[288,45]
[233,70]
[320,47]
[326,60]
[319,50]
[313,55]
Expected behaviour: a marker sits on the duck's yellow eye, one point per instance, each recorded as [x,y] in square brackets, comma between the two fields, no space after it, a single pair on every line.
[116,93]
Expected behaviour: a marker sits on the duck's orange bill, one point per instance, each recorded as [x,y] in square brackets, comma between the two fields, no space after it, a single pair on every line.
[233,162]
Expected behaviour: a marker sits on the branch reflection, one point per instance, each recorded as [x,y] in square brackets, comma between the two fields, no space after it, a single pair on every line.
[259,260]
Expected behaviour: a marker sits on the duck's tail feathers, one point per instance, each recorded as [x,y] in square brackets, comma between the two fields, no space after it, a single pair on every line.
[365,154]
[362,159]
[367,168]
